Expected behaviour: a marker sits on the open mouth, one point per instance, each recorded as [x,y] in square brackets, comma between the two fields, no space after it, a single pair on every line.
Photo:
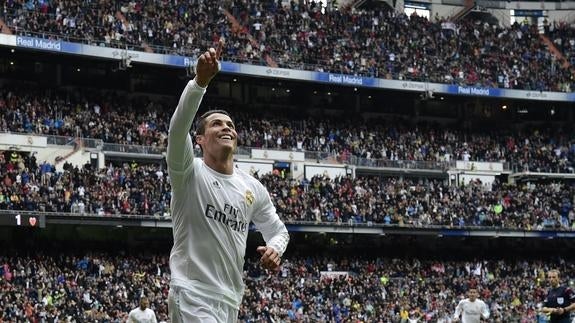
[226,137]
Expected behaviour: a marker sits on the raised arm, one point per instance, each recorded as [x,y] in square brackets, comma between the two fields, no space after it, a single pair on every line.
[180,146]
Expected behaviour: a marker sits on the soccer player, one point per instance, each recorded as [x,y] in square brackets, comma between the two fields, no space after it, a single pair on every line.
[212,205]
[471,309]
[560,300]
[142,314]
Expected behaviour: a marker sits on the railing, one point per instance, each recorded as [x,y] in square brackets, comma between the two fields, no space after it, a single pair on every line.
[521,168]
[64,140]
[133,149]
[403,164]
[61,140]
[380,163]
[154,150]
[318,156]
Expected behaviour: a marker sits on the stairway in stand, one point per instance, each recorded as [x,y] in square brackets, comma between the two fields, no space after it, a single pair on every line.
[238,28]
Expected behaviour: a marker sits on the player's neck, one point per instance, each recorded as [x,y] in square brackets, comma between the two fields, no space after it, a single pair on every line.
[223,166]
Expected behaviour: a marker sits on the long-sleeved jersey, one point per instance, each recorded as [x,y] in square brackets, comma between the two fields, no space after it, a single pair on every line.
[211,213]
[472,311]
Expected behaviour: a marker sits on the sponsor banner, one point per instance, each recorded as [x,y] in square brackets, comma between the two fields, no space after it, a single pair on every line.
[472,90]
[345,79]
[230,67]
[277,155]
[118,54]
[412,86]
[183,61]
[68,47]
[23,140]
[264,71]
[39,43]
[537,95]
[479,166]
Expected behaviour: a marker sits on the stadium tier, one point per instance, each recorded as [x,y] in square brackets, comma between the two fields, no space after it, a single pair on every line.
[379,42]
[414,150]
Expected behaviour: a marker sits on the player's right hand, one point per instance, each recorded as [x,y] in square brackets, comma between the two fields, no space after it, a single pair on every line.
[208,65]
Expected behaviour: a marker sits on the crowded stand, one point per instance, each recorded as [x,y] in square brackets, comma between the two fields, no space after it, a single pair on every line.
[131,189]
[378,43]
[102,287]
[422,203]
[117,119]
[350,283]
[387,44]
[110,117]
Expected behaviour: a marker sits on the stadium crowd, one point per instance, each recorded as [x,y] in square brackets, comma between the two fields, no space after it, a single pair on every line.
[377,43]
[421,203]
[139,121]
[100,287]
[131,189]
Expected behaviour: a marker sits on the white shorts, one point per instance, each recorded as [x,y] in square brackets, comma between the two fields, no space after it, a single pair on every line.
[185,306]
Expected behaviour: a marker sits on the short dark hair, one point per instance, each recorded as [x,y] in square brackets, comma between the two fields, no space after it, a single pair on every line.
[201,123]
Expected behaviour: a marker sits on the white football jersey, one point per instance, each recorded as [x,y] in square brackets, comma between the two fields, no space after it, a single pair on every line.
[211,213]
[471,312]
[139,316]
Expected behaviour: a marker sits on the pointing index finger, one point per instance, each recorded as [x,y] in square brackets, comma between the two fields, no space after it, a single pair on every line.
[220,48]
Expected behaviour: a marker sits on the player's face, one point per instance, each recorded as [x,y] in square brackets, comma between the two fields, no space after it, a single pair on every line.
[472,294]
[553,278]
[144,303]
[219,133]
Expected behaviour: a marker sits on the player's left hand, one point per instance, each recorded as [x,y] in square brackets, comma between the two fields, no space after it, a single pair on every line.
[270,258]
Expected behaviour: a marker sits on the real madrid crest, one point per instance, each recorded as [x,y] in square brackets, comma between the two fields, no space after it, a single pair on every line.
[250,198]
